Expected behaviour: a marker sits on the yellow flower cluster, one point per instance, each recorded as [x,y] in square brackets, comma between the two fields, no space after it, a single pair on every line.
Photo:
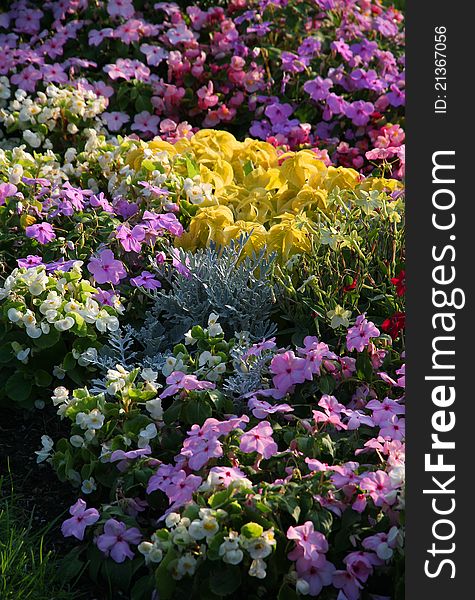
[275,199]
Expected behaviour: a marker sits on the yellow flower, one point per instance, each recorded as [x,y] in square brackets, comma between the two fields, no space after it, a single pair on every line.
[208,224]
[291,236]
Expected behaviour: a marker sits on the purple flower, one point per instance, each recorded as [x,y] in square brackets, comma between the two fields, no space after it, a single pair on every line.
[100,201]
[278,113]
[42,232]
[105,269]
[30,261]
[181,487]
[131,239]
[318,88]
[6,191]
[146,280]
[81,518]
[259,439]
[115,540]
[359,335]
[167,222]
[359,112]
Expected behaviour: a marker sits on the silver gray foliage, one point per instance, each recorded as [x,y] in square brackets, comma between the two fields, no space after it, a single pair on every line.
[236,287]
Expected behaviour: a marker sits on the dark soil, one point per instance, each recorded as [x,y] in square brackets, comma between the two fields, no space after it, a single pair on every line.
[37,490]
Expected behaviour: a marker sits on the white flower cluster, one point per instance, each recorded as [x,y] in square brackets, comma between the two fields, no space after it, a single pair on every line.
[50,111]
[56,301]
[196,191]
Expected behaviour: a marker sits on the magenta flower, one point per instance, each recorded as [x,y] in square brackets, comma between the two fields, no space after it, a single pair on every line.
[180,381]
[359,335]
[259,439]
[106,269]
[288,370]
[115,540]
[379,487]
[146,280]
[318,88]
[81,518]
[100,201]
[42,232]
[200,451]
[131,239]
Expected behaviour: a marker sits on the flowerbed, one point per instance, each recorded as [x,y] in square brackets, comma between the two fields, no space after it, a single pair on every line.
[217,314]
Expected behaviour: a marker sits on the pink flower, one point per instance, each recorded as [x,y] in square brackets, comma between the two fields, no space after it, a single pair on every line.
[379,487]
[120,8]
[343,580]
[27,78]
[81,518]
[42,232]
[154,54]
[115,120]
[261,409]
[311,542]
[146,123]
[359,335]
[115,540]
[288,370]
[105,269]
[226,475]
[180,381]
[259,439]
[54,73]
[200,451]
[385,410]
[394,429]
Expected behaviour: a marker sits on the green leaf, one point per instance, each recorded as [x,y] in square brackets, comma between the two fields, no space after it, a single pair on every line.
[252,530]
[48,340]
[173,413]
[287,593]
[71,565]
[225,581]
[197,410]
[18,388]
[42,378]
[69,362]
[164,582]
[143,589]
[6,353]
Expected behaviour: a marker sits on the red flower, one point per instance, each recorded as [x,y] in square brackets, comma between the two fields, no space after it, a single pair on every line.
[394,324]
[351,286]
[400,283]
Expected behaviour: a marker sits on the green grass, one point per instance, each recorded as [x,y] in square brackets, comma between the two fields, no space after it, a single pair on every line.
[28,570]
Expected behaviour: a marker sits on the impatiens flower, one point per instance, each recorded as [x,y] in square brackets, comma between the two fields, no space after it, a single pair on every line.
[287,370]
[131,239]
[261,409]
[313,543]
[30,261]
[359,335]
[42,232]
[259,439]
[146,123]
[115,120]
[106,269]
[115,540]
[146,280]
[81,518]
[7,190]
[180,381]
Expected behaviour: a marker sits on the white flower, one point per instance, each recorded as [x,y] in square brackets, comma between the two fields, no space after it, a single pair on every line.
[64,324]
[32,138]
[60,395]
[214,328]
[95,419]
[302,587]
[189,339]
[77,441]
[22,355]
[47,447]
[59,372]
[34,332]
[172,520]
[14,315]
[181,536]
[147,434]
[151,552]
[258,568]
[186,565]
[196,530]
[149,375]
[155,409]
[28,319]
[88,486]
[258,548]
